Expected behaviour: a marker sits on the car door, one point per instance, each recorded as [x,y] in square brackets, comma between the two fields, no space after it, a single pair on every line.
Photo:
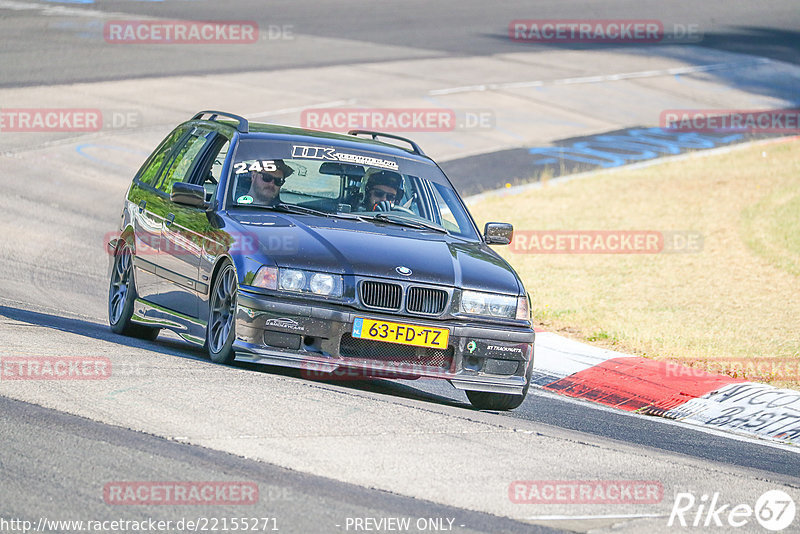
[144,208]
[185,228]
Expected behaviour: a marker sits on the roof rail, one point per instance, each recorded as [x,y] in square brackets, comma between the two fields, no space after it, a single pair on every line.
[414,146]
[243,126]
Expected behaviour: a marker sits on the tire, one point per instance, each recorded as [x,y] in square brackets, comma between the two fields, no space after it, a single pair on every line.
[121,297]
[222,316]
[482,400]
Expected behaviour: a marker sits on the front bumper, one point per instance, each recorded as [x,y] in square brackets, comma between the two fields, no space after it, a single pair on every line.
[315,337]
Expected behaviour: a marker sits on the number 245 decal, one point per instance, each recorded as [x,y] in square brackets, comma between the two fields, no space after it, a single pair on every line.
[258,166]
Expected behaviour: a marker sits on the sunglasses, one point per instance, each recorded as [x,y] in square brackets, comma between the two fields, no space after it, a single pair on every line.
[267,178]
[381,194]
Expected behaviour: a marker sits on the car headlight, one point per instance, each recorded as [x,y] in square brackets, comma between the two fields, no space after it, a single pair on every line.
[292,279]
[297,280]
[491,304]
[322,284]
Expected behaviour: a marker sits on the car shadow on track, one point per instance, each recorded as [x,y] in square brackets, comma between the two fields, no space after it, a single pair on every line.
[182,349]
[99,331]
[372,385]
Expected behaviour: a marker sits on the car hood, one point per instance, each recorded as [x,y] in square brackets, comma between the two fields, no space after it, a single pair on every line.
[363,248]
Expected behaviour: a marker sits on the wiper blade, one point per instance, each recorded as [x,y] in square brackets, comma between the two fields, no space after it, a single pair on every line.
[348,215]
[294,208]
[405,221]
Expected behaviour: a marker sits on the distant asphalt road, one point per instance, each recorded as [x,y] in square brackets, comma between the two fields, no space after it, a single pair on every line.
[40,50]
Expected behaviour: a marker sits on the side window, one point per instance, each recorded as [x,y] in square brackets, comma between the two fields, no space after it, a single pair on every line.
[219,161]
[182,162]
[411,198]
[150,170]
[446,214]
[212,176]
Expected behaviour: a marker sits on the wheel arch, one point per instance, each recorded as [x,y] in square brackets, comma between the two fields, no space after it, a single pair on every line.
[226,355]
[213,271]
[113,242]
[218,263]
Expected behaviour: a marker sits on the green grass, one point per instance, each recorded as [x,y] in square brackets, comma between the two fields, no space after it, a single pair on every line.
[771,228]
[737,298]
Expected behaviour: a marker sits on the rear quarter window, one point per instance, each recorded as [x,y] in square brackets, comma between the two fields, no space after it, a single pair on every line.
[151,170]
[182,162]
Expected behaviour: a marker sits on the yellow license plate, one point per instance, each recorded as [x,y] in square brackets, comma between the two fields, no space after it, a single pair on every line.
[404,334]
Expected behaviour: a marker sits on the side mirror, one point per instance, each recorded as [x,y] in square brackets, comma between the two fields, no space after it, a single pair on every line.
[188,194]
[497,233]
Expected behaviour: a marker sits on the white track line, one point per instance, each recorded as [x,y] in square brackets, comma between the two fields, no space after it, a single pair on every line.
[601,78]
[63,11]
[286,111]
[752,439]
[588,517]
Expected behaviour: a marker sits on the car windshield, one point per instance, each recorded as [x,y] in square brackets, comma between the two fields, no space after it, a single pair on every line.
[385,189]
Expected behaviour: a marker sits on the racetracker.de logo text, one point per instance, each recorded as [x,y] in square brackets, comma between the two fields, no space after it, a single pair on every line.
[382,119]
[601,31]
[760,369]
[780,121]
[55,120]
[605,241]
[180,493]
[586,492]
[54,368]
[181,32]
[50,120]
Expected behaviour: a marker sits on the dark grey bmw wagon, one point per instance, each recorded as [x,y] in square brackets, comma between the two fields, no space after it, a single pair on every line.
[339,255]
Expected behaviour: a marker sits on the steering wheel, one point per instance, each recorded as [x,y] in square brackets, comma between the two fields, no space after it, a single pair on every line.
[387,206]
[403,209]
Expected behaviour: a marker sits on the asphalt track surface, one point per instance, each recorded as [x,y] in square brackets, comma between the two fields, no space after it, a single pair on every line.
[72,52]
[53,463]
[295,501]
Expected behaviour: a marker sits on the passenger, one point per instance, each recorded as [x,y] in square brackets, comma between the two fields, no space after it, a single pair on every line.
[265,186]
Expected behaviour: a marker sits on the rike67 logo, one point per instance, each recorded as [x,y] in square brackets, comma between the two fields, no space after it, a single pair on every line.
[774,510]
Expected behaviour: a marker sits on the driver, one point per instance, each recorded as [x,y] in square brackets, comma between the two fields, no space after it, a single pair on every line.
[383,190]
[265,186]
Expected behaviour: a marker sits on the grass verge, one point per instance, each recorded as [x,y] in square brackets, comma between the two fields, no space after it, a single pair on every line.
[731,306]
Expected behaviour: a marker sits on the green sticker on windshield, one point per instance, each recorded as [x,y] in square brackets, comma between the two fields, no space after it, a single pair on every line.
[245,199]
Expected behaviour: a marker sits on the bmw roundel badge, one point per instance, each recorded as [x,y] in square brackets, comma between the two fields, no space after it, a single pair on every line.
[405,271]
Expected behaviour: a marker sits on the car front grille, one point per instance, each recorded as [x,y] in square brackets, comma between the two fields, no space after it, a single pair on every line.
[388,296]
[381,295]
[426,300]
[393,353]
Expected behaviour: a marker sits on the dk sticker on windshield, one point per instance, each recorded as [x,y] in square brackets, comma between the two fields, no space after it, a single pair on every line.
[330,154]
